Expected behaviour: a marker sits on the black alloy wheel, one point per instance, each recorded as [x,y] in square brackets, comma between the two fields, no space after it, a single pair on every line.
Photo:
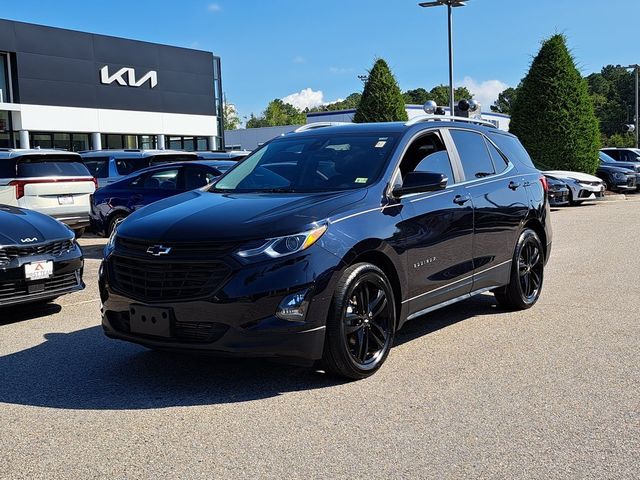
[527,274]
[530,269]
[361,324]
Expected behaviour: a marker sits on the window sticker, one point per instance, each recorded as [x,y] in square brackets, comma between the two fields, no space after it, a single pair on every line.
[381,143]
[361,180]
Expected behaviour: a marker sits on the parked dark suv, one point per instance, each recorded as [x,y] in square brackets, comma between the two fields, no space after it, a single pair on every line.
[321,244]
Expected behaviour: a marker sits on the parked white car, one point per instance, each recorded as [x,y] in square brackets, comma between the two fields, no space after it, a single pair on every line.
[582,186]
[52,182]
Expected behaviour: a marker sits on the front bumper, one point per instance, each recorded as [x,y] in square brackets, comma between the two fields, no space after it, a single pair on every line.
[67,278]
[76,221]
[238,318]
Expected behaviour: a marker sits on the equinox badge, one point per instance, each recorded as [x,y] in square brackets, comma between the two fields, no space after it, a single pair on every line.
[158,250]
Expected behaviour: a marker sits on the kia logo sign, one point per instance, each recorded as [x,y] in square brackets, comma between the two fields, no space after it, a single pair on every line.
[126,76]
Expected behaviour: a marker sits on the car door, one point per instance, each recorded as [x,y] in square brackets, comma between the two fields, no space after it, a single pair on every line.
[500,205]
[437,228]
[156,185]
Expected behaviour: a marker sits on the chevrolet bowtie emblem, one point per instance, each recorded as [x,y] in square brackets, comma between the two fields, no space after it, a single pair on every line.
[158,250]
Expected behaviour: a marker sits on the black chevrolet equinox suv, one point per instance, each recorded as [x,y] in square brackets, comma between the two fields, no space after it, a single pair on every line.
[321,244]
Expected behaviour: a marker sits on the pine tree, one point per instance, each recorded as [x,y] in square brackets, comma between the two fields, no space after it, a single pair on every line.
[553,114]
[381,100]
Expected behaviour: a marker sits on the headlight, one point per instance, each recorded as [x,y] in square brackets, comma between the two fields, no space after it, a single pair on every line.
[282,246]
[619,176]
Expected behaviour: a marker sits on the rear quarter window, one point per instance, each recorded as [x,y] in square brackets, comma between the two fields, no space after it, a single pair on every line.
[97,166]
[512,148]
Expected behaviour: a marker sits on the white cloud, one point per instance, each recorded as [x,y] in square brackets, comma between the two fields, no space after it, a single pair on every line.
[340,70]
[485,92]
[305,98]
[214,7]
[298,59]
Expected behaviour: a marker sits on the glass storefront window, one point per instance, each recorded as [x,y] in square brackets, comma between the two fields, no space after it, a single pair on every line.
[188,144]
[147,142]
[175,143]
[202,144]
[41,140]
[113,142]
[62,141]
[80,141]
[130,141]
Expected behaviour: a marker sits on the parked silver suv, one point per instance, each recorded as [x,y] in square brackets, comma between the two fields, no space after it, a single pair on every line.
[52,182]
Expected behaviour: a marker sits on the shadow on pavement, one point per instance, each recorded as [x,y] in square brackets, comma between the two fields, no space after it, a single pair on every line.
[85,370]
[20,313]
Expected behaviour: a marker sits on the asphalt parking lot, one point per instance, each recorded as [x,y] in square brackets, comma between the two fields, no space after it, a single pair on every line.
[470,391]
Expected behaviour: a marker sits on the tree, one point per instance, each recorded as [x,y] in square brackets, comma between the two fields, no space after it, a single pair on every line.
[612,93]
[381,100]
[231,120]
[505,100]
[352,101]
[553,113]
[439,94]
[278,113]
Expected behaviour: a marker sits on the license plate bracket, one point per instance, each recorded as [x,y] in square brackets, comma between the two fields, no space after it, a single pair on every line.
[153,321]
[38,270]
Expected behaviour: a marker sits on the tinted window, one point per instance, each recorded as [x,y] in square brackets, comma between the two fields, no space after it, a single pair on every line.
[631,156]
[476,162]
[198,177]
[310,163]
[160,159]
[42,167]
[162,180]
[437,162]
[499,161]
[98,166]
[7,168]
[125,166]
[512,148]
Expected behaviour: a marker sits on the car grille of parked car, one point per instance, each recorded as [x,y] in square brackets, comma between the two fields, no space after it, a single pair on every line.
[160,281]
[7,254]
[631,181]
[208,249]
[185,332]
[9,290]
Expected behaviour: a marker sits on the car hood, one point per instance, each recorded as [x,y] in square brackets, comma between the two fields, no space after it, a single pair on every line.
[575,175]
[206,216]
[21,227]
[609,168]
[628,165]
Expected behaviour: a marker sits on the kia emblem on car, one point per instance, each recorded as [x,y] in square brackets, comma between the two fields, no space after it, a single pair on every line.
[29,240]
[158,250]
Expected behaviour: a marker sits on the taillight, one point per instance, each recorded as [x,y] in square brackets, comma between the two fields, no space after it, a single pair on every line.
[545,183]
[95,182]
[19,184]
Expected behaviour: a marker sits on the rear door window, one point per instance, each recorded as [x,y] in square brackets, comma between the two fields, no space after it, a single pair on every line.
[97,166]
[159,180]
[474,156]
[50,167]
[126,166]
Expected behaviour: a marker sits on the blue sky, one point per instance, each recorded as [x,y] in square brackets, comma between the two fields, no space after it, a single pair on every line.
[313,52]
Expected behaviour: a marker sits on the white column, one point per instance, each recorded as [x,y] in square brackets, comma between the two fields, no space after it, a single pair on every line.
[212,143]
[161,142]
[96,141]
[24,139]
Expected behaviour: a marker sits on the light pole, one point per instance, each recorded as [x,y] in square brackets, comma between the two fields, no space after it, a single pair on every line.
[636,67]
[450,4]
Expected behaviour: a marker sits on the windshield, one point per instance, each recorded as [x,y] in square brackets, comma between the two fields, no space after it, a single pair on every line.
[604,158]
[317,163]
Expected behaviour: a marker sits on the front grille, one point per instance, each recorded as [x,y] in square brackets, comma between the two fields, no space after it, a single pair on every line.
[57,282]
[153,281]
[185,332]
[7,254]
[209,249]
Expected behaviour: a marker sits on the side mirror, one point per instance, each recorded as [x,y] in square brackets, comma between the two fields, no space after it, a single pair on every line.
[419,182]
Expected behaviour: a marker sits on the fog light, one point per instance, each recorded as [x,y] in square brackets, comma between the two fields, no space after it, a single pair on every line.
[293,308]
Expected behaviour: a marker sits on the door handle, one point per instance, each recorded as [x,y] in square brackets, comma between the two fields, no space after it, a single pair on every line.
[514,185]
[461,199]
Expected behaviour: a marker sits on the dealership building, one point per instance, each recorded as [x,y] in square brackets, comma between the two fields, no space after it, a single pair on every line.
[79,91]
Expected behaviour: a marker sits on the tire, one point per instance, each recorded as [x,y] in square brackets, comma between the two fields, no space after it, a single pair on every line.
[115,219]
[79,232]
[527,274]
[360,329]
